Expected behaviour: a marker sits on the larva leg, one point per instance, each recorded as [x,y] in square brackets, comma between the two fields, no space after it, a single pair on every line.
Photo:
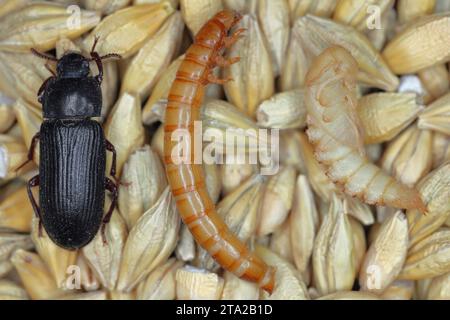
[222,62]
[110,147]
[213,79]
[233,38]
[50,69]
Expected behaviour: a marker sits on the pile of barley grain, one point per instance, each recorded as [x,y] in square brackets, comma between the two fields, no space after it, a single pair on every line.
[324,243]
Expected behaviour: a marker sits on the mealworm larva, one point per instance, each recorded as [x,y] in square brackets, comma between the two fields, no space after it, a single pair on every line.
[187,180]
[335,132]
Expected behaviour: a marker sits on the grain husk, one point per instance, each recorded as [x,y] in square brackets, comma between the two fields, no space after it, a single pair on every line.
[402,53]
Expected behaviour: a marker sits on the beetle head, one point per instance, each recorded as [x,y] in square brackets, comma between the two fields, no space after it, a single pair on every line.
[73,65]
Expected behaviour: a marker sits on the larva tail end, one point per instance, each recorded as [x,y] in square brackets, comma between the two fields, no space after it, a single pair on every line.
[420,205]
[212,79]
[269,287]
[408,198]
[416,202]
[270,282]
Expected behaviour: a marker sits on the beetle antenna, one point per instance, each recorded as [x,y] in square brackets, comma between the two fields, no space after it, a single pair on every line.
[96,38]
[43,55]
[107,56]
[111,55]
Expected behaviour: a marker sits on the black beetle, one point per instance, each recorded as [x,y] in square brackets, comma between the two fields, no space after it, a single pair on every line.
[73,148]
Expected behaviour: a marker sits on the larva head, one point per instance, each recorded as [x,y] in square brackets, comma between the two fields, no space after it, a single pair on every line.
[335,60]
[229,18]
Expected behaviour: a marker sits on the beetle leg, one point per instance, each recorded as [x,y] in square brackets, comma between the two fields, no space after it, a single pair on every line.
[111,187]
[95,56]
[110,147]
[49,58]
[30,151]
[33,182]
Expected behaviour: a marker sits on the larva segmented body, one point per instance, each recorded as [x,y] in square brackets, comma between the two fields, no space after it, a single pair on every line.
[186,180]
[335,132]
